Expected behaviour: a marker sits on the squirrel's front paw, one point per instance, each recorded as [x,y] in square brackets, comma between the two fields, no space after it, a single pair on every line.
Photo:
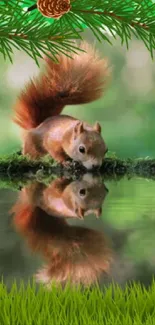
[67,163]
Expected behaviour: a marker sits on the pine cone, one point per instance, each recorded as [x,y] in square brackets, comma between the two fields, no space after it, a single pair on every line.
[53,8]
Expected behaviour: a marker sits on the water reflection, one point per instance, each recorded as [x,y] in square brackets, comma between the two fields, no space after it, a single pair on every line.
[126,226]
[70,252]
[67,198]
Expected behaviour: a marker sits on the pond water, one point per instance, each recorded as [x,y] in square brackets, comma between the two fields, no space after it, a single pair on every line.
[47,237]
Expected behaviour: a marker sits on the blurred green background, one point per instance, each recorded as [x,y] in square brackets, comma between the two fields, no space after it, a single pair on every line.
[126,111]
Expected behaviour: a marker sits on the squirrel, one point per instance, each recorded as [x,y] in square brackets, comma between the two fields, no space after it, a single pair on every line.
[70,252]
[77,80]
[67,198]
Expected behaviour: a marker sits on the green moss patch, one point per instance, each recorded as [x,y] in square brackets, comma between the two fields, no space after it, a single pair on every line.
[17,170]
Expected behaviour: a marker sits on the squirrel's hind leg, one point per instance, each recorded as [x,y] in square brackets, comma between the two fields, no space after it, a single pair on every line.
[31,148]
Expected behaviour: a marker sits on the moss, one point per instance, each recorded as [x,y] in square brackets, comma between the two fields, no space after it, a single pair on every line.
[17,170]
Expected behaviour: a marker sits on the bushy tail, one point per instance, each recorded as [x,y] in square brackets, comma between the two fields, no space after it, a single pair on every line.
[79,80]
[78,258]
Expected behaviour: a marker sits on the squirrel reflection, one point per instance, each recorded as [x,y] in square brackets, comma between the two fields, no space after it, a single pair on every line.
[70,252]
[67,198]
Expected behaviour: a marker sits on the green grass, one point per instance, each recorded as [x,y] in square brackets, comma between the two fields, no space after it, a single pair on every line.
[27,305]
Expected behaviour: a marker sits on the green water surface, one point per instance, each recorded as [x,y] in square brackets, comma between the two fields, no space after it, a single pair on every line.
[128,221]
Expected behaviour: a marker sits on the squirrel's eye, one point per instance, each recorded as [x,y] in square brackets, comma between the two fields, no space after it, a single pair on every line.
[82,149]
[82,192]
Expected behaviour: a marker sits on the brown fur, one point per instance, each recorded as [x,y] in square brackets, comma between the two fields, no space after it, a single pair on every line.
[72,81]
[71,252]
[62,198]
[81,79]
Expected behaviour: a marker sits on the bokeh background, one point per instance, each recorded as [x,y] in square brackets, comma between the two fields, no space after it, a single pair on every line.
[126,111]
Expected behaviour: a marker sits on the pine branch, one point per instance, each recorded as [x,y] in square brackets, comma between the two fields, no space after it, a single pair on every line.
[37,35]
[113,15]
[122,18]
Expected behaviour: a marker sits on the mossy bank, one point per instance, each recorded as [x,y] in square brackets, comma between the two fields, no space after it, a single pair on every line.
[16,170]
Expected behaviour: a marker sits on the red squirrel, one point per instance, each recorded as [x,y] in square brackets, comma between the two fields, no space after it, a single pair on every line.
[70,252]
[67,198]
[77,80]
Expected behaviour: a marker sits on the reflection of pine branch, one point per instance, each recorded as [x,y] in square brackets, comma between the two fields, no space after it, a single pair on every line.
[37,36]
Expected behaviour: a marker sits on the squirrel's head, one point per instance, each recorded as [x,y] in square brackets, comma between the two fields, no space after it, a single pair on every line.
[85,196]
[86,145]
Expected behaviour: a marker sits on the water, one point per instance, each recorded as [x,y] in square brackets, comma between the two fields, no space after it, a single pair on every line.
[39,241]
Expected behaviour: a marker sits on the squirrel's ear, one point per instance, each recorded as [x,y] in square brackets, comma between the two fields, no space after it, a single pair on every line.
[98,212]
[97,127]
[78,129]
